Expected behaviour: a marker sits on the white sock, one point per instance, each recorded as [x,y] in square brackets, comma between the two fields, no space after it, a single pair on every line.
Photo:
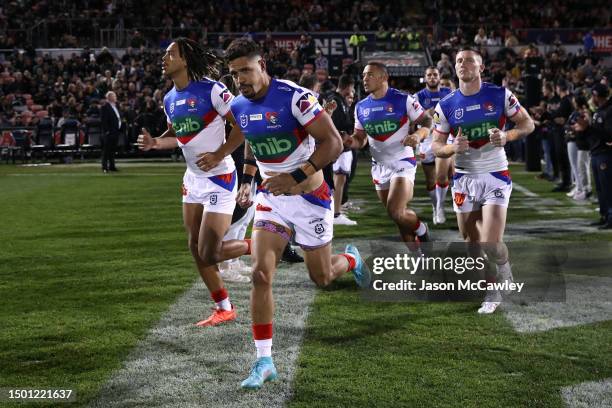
[421,230]
[434,197]
[264,348]
[441,196]
[224,304]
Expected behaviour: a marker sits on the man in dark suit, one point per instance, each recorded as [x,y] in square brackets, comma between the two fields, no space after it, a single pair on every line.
[111,126]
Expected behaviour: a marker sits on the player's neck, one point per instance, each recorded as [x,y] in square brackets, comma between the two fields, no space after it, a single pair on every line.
[434,89]
[264,89]
[470,88]
[181,80]
[380,93]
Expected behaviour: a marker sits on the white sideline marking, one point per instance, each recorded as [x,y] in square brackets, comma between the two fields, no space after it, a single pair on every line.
[179,365]
[523,190]
[593,394]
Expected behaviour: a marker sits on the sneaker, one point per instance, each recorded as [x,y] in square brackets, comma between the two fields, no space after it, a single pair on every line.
[231,274]
[504,275]
[572,192]
[434,214]
[441,216]
[219,316]
[491,301]
[580,196]
[425,236]
[263,370]
[343,220]
[361,273]
[291,256]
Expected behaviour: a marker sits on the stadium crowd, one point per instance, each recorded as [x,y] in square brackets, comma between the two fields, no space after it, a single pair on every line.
[555,86]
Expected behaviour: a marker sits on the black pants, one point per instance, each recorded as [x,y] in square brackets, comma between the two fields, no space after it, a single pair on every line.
[562,158]
[601,165]
[109,146]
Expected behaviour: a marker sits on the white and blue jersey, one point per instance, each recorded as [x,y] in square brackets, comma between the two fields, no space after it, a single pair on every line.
[475,115]
[429,99]
[274,125]
[196,115]
[386,121]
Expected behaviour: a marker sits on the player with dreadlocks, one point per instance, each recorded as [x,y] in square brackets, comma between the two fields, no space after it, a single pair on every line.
[196,109]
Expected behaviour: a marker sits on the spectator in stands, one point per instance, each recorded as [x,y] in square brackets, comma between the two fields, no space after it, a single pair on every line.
[111,127]
[598,132]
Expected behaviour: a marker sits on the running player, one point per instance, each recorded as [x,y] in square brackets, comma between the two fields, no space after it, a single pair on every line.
[436,169]
[276,118]
[476,114]
[383,119]
[195,109]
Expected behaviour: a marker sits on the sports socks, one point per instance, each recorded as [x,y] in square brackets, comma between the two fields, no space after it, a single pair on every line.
[441,191]
[351,261]
[221,298]
[262,334]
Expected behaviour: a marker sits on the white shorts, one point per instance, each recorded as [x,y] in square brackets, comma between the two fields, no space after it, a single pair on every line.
[382,174]
[472,191]
[216,193]
[310,215]
[343,164]
[426,154]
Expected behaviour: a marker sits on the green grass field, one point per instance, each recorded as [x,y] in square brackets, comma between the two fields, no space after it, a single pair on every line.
[89,262]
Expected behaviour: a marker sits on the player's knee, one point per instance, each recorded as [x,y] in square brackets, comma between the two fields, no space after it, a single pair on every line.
[442,179]
[192,243]
[395,213]
[260,278]
[321,280]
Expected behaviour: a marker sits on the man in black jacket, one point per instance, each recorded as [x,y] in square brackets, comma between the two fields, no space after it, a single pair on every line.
[111,126]
[598,132]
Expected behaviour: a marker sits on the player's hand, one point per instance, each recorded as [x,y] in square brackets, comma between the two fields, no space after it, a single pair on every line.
[209,160]
[244,195]
[347,140]
[330,106]
[279,183]
[411,140]
[145,142]
[497,137]
[460,144]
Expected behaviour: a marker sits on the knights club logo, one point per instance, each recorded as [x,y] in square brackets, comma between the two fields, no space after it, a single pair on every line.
[191,102]
[225,96]
[272,117]
[244,120]
[489,106]
[389,108]
[306,102]
[458,113]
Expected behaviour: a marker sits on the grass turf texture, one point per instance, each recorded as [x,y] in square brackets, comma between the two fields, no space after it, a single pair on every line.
[89,262]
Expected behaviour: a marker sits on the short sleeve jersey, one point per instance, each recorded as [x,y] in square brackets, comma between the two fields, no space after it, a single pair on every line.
[475,115]
[429,99]
[274,125]
[386,121]
[196,114]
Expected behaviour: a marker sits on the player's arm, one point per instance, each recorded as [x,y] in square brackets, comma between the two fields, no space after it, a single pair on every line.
[209,160]
[424,123]
[523,124]
[329,147]
[357,140]
[166,141]
[249,170]
[419,117]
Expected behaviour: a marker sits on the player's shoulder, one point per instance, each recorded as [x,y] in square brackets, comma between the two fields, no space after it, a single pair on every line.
[490,88]
[452,95]
[445,91]
[398,94]
[286,87]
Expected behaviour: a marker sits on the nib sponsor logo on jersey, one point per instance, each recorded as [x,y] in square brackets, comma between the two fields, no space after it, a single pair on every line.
[478,134]
[188,127]
[383,129]
[273,149]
